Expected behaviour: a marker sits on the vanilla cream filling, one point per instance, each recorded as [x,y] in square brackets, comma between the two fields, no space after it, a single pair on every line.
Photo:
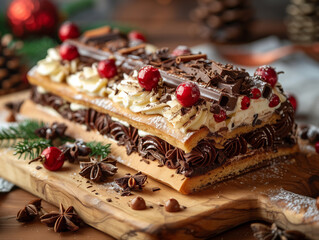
[130,95]
[52,66]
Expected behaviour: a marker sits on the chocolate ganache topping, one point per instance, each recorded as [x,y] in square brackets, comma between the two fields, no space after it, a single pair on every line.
[235,146]
[262,137]
[286,122]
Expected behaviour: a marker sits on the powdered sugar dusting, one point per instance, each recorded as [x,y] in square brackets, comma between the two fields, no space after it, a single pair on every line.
[296,203]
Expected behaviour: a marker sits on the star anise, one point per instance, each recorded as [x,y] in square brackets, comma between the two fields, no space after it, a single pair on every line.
[131,182]
[98,171]
[62,221]
[265,232]
[51,132]
[73,150]
[30,211]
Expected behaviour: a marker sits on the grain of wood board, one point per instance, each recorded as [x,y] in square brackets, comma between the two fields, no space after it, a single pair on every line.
[282,193]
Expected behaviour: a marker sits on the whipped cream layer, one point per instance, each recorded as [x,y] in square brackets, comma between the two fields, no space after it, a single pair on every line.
[129,94]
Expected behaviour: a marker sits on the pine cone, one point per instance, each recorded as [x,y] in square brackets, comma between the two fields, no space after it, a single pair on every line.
[11,69]
[223,20]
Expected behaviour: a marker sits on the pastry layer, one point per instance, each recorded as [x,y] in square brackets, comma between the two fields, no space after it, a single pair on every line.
[153,124]
[232,166]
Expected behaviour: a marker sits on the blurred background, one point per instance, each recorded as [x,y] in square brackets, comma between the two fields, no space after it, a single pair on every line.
[247,33]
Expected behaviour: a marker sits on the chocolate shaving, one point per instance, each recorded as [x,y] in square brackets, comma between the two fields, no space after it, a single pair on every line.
[189,58]
[131,49]
[62,221]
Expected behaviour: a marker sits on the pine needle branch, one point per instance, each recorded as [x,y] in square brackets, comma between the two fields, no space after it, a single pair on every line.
[99,149]
[31,148]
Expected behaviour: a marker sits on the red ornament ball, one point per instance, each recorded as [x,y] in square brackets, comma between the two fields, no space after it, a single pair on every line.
[255,93]
[221,116]
[68,51]
[148,77]
[245,103]
[32,17]
[136,36]
[267,74]
[107,68]
[274,101]
[187,93]
[292,99]
[68,30]
[317,147]
[52,158]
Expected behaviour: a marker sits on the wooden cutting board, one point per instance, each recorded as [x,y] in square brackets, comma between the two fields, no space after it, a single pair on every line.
[281,193]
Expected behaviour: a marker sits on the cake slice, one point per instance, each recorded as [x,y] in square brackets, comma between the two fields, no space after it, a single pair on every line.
[181,118]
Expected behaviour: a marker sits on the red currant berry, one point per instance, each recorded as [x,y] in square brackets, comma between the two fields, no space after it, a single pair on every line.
[317,147]
[52,158]
[180,51]
[68,51]
[274,101]
[292,99]
[136,36]
[107,68]
[221,116]
[255,93]
[68,30]
[245,103]
[187,93]
[268,74]
[148,77]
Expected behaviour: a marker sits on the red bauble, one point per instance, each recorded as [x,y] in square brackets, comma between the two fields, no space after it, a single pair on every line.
[68,51]
[148,77]
[30,17]
[221,116]
[187,93]
[245,103]
[107,68]
[317,147]
[68,30]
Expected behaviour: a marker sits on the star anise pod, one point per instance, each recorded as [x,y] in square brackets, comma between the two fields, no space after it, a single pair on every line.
[73,150]
[30,211]
[265,232]
[62,221]
[98,171]
[131,182]
[54,131]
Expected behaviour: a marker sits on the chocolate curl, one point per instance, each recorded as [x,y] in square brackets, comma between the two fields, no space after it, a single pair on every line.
[189,58]
[131,49]
[225,99]
[102,34]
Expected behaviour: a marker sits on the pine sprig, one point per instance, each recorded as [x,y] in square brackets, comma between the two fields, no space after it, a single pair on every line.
[31,148]
[23,130]
[99,149]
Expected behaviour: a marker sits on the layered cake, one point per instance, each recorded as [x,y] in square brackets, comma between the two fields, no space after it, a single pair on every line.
[178,117]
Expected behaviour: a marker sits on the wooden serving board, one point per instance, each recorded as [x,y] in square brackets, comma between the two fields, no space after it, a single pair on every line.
[281,193]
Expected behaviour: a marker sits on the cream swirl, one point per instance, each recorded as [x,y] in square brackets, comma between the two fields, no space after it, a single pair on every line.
[88,80]
[53,67]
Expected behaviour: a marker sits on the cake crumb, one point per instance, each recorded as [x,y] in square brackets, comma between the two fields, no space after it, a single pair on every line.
[38,167]
[109,199]
[154,189]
